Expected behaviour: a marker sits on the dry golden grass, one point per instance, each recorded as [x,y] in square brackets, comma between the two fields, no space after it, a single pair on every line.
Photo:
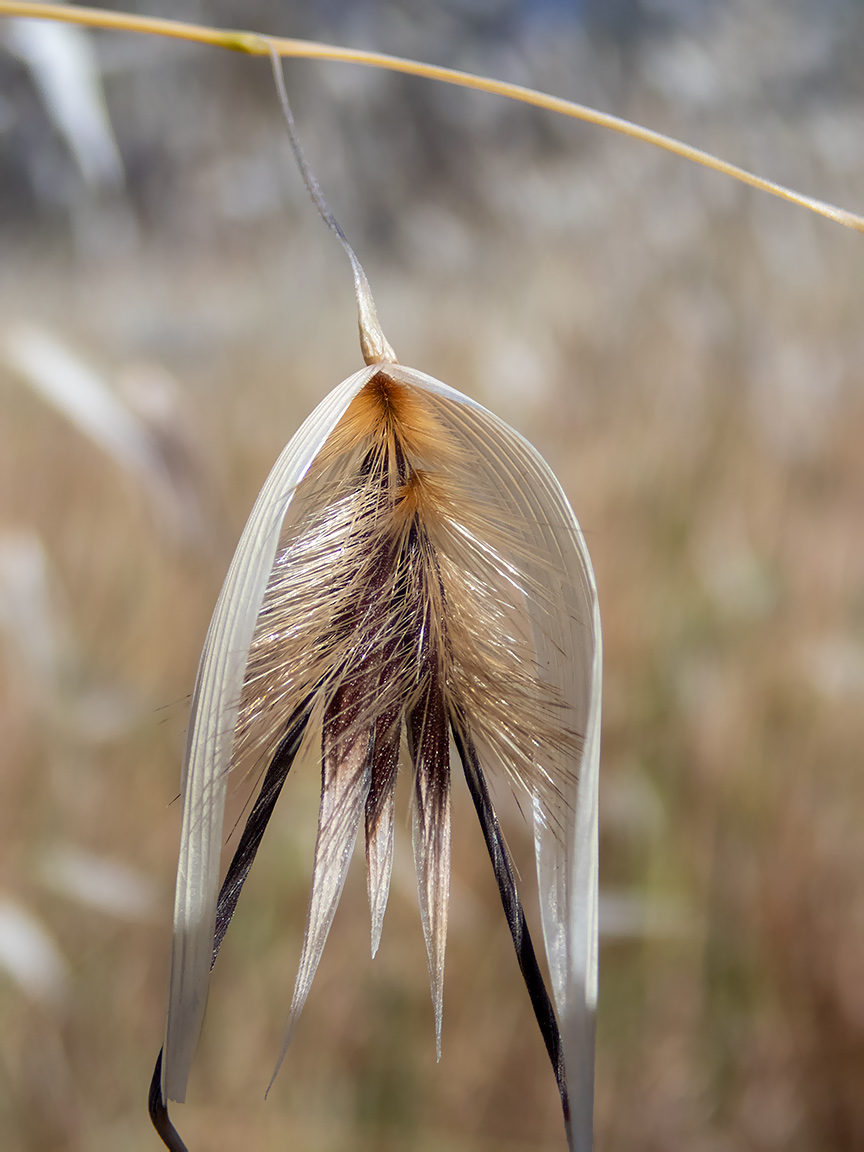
[688,357]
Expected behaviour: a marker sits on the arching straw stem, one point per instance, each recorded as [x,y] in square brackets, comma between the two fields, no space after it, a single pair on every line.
[256,45]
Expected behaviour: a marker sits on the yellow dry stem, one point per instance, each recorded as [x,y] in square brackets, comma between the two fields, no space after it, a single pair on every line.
[257,45]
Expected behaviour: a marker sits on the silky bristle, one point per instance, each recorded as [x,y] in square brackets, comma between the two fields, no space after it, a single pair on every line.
[398,601]
[388,410]
[345,586]
[380,811]
[429,740]
[344,787]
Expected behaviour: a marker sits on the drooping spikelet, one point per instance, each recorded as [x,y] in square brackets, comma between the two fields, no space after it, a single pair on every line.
[410,571]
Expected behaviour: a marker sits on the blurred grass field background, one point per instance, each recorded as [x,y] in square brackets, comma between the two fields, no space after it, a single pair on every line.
[687,355]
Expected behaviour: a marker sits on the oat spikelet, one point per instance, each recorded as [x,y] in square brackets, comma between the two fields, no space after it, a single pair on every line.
[410,573]
[410,568]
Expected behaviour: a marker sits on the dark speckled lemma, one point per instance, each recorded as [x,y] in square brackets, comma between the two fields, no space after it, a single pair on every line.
[411,580]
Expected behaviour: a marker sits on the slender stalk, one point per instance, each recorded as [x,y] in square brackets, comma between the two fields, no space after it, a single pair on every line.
[505,877]
[158,1110]
[232,885]
[259,817]
[256,45]
[374,344]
